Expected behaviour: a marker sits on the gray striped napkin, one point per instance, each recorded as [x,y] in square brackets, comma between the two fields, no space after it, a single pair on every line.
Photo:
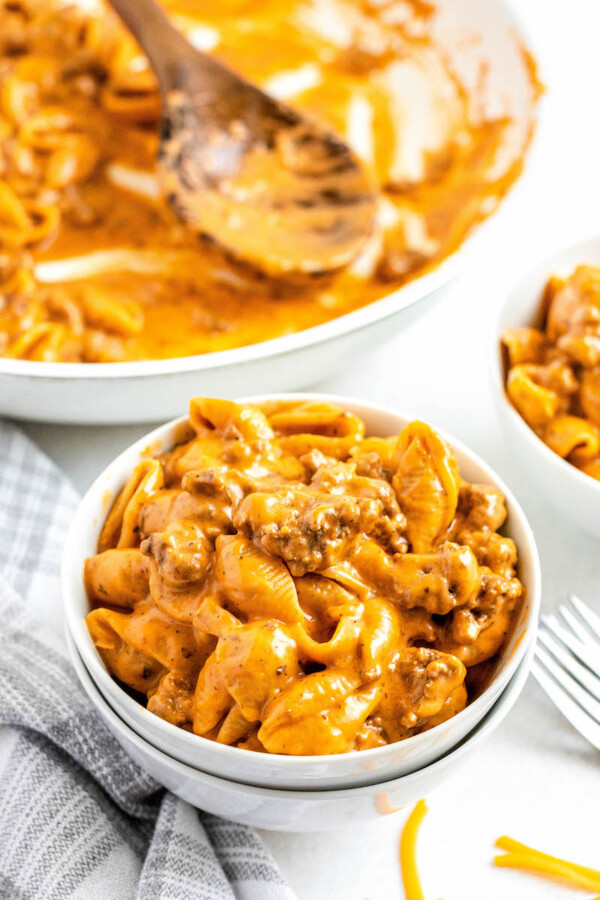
[78,818]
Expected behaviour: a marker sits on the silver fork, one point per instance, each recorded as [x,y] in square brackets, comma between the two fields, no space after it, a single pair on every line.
[567,665]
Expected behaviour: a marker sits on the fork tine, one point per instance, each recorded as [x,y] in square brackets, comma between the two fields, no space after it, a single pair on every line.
[583,675]
[590,658]
[588,703]
[570,710]
[580,631]
[591,618]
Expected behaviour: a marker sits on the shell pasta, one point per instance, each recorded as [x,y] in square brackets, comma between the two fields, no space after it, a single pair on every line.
[553,372]
[280,582]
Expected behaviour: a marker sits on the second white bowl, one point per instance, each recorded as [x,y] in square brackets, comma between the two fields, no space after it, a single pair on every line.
[574,493]
[273,770]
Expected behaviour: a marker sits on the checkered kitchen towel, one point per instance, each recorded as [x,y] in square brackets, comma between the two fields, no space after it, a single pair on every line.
[78,819]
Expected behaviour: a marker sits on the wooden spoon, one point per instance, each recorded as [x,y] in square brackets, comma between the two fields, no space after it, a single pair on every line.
[245,171]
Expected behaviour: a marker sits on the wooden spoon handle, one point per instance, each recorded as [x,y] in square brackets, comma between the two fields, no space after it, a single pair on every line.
[166,48]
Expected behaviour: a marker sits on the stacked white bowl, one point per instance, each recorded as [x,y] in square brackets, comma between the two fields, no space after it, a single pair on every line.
[293,792]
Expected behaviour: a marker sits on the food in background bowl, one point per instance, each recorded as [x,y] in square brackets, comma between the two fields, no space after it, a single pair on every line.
[279,582]
[94,266]
[568,488]
[553,370]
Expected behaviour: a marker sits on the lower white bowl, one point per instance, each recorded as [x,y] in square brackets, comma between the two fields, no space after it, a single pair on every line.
[274,770]
[574,493]
[280,810]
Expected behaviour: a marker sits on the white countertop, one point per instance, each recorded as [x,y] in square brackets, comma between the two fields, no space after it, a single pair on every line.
[536,779]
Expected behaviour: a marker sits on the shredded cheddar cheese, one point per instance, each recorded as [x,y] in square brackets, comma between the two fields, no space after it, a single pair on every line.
[408,853]
[519,856]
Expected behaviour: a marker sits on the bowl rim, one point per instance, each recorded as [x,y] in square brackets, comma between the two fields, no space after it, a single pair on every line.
[92,659]
[564,469]
[375,312]
[482,729]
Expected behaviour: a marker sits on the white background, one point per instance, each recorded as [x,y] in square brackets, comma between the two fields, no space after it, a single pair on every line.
[536,779]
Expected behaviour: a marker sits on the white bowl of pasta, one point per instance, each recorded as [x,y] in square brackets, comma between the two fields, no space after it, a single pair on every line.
[546,374]
[281,810]
[281,575]
[111,312]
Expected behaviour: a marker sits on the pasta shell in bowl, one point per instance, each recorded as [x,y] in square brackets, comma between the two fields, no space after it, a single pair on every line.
[300,591]
[546,370]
